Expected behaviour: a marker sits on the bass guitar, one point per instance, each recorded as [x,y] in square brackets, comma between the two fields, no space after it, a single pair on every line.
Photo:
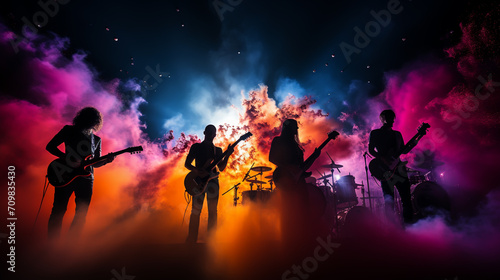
[293,178]
[195,184]
[384,168]
[61,172]
[301,172]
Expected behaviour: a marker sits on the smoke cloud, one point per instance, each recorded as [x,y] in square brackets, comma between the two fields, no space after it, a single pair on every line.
[43,89]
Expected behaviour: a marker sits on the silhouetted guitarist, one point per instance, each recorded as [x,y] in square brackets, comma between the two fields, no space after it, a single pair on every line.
[79,142]
[204,153]
[386,143]
[288,156]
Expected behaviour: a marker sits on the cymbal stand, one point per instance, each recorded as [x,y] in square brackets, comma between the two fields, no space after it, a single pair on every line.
[259,186]
[367,182]
[251,184]
[334,189]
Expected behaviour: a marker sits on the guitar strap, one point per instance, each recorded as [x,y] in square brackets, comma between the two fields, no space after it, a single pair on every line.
[215,156]
[92,144]
[92,148]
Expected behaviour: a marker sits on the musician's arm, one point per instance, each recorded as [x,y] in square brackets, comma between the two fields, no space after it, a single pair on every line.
[98,152]
[190,158]
[222,165]
[410,145]
[58,139]
[371,145]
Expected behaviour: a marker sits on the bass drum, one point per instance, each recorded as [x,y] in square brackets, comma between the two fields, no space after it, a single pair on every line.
[346,192]
[259,196]
[430,199]
[317,201]
[354,221]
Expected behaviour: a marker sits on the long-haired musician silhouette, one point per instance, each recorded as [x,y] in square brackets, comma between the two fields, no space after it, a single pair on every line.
[79,143]
[288,156]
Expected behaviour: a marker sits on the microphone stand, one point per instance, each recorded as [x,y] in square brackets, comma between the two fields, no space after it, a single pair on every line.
[367,181]
[235,187]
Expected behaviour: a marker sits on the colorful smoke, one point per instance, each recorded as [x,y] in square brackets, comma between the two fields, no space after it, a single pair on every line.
[43,89]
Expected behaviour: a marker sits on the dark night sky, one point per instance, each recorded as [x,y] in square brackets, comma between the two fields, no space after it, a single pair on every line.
[434,61]
[282,44]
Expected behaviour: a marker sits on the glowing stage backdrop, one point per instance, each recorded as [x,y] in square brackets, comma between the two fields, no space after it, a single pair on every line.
[240,86]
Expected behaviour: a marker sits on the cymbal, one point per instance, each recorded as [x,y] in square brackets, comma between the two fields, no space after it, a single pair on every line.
[371,197]
[332,165]
[261,168]
[269,177]
[257,182]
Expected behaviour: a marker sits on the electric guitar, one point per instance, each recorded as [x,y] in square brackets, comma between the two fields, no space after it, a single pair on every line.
[61,172]
[383,168]
[195,184]
[301,172]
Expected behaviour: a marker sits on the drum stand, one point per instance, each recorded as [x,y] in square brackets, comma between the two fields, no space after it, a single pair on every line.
[236,198]
[367,183]
[235,187]
[334,189]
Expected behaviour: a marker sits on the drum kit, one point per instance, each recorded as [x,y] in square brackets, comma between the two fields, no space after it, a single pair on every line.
[339,195]
[260,193]
[428,197]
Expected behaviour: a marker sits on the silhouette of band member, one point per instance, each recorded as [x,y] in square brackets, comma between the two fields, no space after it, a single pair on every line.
[204,153]
[79,143]
[288,156]
[386,143]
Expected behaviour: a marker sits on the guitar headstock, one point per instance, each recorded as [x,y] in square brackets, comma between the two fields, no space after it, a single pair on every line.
[333,134]
[134,150]
[422,129]
[245,136]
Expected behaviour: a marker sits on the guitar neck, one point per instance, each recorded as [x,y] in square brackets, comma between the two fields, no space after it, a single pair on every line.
[324,144]
[99,159]
[310,160]
[410,144]
[219,159]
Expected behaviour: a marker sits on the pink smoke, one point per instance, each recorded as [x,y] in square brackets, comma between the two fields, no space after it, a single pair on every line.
[146,189]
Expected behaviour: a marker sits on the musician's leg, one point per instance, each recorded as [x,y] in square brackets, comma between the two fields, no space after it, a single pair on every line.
[388,191]
[212,201]
[405,194]
[194,219]
[83,195]
[61,198]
